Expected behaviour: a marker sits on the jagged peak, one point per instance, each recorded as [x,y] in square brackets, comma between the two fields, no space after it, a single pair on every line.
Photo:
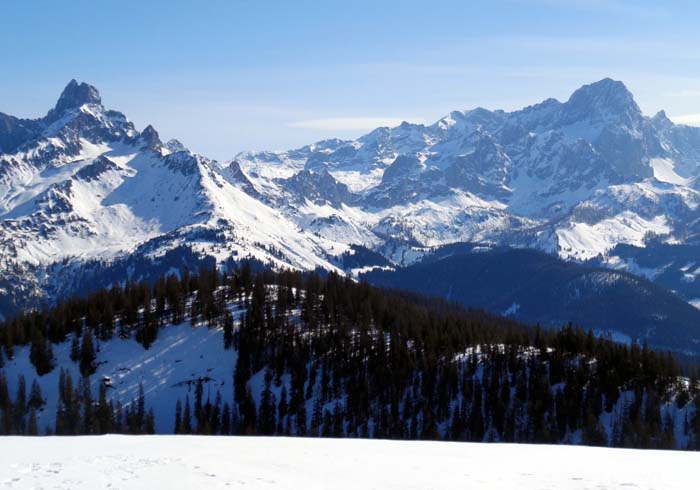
[150,138]
[478,111]
[548,103]
[606,87]
[174,146]
[478,116]
[604,97]
[75,95]
[380,132]
[409,126]
[235,166]
[661,116]
[661,121]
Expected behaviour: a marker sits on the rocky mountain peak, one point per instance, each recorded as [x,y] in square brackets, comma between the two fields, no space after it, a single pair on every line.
[661,121]
[607,100]
[75,95]
[150,138]
[174,145]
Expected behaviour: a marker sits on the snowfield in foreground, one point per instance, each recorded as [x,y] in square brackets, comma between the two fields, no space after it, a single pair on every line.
[187,462]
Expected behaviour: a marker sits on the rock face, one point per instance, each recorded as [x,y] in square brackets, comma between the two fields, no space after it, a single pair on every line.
[74,96]
[575,178]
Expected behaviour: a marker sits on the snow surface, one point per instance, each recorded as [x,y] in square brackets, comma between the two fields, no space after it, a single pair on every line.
[190,462]
[169,370]
[582,241]
[664,171]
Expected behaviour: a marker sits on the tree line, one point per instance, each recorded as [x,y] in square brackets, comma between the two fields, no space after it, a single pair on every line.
[338,358]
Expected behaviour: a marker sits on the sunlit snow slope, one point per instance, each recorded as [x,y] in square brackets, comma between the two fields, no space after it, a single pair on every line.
[183,462]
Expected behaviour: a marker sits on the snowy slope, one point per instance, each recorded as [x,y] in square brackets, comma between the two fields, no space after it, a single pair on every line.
[168,370]
[185,462]
[180,356]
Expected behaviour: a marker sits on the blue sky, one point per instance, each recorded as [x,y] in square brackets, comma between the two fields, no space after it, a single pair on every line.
[223,76]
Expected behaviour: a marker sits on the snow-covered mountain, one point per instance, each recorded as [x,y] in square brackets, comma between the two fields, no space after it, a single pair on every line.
[81,189]
[573,178]
[82,184]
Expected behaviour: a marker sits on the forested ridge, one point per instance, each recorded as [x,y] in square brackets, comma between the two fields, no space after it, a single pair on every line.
[344,359]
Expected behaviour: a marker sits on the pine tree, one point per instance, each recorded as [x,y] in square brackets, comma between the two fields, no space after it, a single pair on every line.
[241,373]
[119,418]
[87,354]
[88,417]
[150,424]
[39,356]
[282,410]
[249,414]
[316,418]
[75,349]
[141,408]
[228,329]
[32,428]
[267,415]
[36,400]
[226,419]
[178,417]
[198,393]
[20,406]
[187,417]
[103,415]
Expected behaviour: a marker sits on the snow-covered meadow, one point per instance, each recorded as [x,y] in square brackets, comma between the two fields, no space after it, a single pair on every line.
[190,462]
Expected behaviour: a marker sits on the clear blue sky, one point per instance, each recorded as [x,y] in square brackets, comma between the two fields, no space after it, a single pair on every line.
[224,76]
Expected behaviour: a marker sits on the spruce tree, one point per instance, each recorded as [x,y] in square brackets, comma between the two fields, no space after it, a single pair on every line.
[178,417]
[228,329]
[150,423]
[87,354]
[75,348]
[36,400]
[140,408]
[268,407]
[32,428]
[104,421]
[187,417]
[226,419]
[19,407]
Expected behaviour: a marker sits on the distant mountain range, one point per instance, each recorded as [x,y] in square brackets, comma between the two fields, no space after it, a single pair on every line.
[86,199]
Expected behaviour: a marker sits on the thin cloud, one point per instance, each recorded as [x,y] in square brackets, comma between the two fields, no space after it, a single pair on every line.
[615,7]
[352,123]
[688,119]
[683,93]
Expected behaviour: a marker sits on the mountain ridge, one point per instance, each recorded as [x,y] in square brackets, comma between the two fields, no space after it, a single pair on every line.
[535,287]
[574,178]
